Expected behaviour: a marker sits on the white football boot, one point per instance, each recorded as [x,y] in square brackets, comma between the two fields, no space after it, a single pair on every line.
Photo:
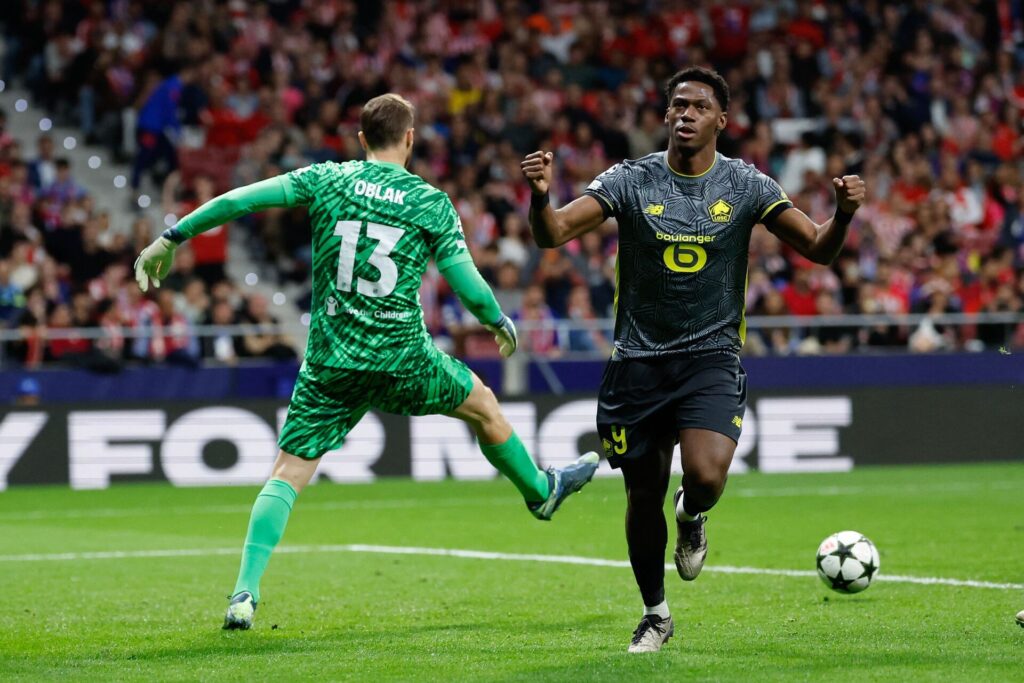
[651,634]
[691,543]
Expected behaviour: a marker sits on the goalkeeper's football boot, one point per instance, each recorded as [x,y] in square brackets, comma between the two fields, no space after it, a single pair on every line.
[240,612]
[691,543]
[564,482]
[1020,618]
[651,634]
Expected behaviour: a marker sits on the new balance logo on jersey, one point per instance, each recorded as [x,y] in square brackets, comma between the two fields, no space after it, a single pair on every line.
[375,191]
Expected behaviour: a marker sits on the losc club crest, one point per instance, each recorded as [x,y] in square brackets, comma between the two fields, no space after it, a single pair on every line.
[720,211]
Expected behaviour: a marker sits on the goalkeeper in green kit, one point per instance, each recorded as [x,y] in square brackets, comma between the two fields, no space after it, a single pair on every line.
[375,227]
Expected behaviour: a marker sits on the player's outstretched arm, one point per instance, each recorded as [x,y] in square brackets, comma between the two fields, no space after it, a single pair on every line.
[476,295]
[155,260]
[822,243]
[553,228]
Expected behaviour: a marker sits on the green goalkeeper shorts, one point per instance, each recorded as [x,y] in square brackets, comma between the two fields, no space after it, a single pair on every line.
[328,402]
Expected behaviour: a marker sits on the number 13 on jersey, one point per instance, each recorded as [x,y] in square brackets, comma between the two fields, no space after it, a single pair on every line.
[387,237]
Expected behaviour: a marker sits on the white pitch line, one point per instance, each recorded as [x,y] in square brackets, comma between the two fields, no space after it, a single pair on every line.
[476,555]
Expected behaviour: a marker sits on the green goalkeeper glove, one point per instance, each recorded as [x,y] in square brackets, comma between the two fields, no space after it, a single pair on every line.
[505,335]
[154,262]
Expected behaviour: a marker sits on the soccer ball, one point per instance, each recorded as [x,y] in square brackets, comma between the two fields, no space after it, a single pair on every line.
[847,562]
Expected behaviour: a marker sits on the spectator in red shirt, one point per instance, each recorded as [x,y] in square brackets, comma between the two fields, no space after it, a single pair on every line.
[800,298]
[63,347]
[731,25]
[224,126]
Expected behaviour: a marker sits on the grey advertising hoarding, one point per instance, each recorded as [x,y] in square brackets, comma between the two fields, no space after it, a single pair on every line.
[200,444]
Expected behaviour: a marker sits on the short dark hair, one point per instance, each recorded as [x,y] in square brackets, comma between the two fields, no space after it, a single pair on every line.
[702,75]
[385,119]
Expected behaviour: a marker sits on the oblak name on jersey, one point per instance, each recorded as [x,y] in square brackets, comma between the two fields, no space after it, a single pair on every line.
[372,190]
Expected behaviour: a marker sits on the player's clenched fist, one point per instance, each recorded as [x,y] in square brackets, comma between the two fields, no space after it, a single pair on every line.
[850,192]
[537,168]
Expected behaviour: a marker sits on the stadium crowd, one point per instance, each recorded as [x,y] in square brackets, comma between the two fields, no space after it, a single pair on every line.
[923,99]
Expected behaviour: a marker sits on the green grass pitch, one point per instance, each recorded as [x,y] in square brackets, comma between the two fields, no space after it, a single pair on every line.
[331,613]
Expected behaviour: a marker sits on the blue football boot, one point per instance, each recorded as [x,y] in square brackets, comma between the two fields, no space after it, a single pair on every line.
[564,482]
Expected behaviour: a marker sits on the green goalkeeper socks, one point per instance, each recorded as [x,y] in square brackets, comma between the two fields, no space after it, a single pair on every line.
[266,526]
[512,460]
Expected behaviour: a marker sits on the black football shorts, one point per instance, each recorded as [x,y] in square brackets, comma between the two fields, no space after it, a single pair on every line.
[644,399]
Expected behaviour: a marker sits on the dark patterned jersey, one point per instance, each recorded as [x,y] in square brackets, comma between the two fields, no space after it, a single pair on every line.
[683,242]
[375,228]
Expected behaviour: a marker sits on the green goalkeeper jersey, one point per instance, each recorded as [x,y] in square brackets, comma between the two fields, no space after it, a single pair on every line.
[375,227]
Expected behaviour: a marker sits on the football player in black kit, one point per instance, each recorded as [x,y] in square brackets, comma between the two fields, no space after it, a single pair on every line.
[685,217]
